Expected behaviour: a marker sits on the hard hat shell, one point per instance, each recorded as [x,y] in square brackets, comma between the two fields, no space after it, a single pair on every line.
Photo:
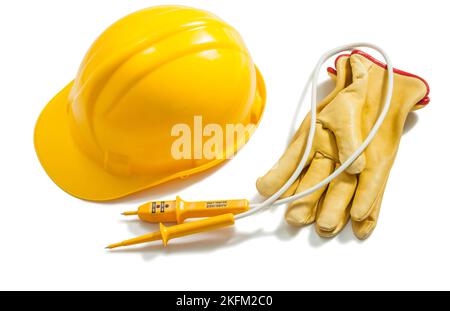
[108,133]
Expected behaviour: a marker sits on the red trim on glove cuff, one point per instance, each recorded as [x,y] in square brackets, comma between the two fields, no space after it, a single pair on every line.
[424,101]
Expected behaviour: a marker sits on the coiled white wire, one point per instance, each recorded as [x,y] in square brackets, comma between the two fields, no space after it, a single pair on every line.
[273,200]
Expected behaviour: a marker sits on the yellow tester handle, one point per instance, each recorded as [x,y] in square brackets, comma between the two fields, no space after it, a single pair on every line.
[167,233]
[197,226]
[179,210]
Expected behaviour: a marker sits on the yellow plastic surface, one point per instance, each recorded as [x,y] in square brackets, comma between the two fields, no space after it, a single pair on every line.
[178,210]
[188,228]
[108,133]
[167,233]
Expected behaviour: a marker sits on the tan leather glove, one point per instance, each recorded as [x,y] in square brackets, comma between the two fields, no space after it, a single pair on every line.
[342,124]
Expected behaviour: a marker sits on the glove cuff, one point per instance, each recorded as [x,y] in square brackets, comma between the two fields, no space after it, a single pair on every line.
[420,104]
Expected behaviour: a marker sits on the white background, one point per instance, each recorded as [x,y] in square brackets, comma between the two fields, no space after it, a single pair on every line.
[50,240]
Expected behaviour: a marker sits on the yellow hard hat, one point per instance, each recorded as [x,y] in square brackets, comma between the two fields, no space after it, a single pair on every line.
[108,133]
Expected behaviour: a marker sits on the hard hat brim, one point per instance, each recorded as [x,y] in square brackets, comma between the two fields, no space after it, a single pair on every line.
[68,166]
[80,176]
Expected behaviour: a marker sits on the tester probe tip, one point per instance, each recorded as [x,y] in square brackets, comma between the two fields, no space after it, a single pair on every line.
[129,213]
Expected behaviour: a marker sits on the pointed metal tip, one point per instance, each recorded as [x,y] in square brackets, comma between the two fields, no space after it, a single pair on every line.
[129,213]
[111,246]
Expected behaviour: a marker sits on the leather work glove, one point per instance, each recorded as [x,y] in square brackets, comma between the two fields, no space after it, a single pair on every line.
[341,126]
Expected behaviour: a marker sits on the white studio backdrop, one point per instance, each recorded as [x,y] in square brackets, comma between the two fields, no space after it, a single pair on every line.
[50,240]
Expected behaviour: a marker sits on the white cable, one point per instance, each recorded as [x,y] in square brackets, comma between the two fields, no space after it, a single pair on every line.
[272,200]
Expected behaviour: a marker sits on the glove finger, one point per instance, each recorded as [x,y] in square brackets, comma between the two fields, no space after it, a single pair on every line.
[344,114]
[334,212]
[291,190]
[282,171]
[277,176]
[303,210]
[363,229]
[339,227]
[370,185]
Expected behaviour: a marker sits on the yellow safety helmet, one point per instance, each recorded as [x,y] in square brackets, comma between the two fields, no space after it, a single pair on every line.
[108,133]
